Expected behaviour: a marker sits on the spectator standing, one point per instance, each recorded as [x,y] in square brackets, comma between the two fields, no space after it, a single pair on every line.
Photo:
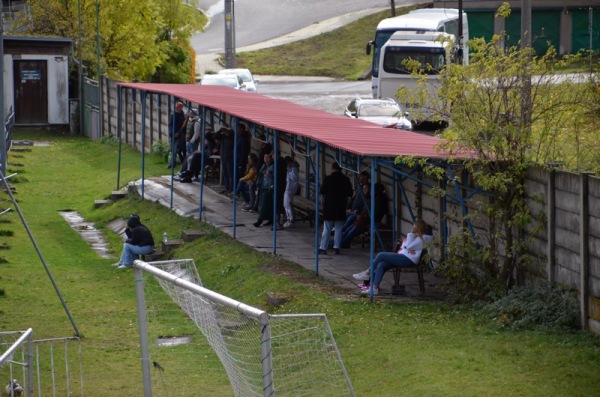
[139,242]
[242,149]
[192,131]
[291,188]
[265,148]
[281,187]
[336,190]
[226,145]
[177,126]
[265,192]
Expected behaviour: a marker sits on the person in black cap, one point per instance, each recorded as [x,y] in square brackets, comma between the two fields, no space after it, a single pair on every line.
[139,242]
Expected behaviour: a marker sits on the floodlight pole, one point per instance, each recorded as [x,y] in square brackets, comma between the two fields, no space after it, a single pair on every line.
[80,50]
[3,134]
[525,23]
[229,34]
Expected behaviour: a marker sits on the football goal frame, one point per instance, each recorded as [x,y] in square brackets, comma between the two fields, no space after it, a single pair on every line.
[263,354]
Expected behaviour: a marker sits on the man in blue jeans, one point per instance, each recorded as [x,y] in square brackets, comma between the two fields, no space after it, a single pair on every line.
[139,242]
[336,189]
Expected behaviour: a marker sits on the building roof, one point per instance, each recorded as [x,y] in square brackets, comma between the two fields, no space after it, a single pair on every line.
[41,39]
[352,135]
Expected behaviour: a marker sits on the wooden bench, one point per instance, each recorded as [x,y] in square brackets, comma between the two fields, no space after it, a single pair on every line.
[304,209]
[397,288]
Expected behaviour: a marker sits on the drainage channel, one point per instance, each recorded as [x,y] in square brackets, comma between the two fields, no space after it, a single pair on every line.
[88,232]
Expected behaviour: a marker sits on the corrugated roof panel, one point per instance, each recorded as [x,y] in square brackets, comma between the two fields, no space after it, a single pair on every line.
[355,136]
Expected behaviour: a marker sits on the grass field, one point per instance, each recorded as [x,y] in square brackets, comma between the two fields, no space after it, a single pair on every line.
[339,53]
[389,349]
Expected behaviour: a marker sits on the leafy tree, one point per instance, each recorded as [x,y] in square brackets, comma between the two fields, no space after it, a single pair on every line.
[137,38]
[508,110]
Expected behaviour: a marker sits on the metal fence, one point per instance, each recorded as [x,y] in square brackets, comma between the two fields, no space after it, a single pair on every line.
[47,367]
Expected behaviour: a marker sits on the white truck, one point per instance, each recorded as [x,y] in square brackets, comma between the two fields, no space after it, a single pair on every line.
[421,35]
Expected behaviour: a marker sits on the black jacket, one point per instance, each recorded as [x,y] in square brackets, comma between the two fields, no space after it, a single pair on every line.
[138,234]
[336,189]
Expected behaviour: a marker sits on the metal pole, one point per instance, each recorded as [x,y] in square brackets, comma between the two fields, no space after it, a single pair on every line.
[525,23]
[4,132]
[143,100]
[143,330]
[98,38]
[276,166]
[100,131]
[372,226]
[590,30]
[316,198]
[80,50]
[266,354]
[119,127]
[229,35]
[460,33]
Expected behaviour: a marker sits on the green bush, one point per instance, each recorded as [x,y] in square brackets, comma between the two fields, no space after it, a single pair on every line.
[543,307]
[161,149]
[465,270]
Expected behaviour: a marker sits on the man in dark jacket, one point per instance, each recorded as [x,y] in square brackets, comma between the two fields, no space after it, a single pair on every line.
[265,148]
[226,144]
[336,190]
[177,126]
[139,242]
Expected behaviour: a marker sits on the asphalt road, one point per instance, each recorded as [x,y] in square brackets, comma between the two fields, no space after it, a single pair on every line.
[327,95]
[257,21]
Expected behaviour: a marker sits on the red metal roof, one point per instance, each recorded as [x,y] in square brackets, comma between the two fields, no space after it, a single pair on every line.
[352,135]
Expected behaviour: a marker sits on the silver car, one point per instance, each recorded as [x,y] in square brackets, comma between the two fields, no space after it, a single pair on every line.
[385,112]
[246,76]
[229,80]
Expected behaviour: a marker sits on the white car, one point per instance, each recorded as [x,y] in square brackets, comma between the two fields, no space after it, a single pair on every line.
[251,83]
[229,80]
[385,112]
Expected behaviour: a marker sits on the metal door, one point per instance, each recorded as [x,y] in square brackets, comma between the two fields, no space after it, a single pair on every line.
[31,91]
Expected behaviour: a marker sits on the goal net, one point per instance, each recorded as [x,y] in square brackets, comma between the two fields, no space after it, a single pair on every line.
[195,341]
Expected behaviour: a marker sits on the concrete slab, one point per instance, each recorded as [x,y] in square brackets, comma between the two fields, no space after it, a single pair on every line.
[296,244]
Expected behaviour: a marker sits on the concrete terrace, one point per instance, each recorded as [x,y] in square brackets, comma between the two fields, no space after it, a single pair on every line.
[296,244]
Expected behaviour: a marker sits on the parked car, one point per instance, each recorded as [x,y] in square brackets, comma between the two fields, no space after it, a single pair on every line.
[385,112]
[251,83]
[229,80]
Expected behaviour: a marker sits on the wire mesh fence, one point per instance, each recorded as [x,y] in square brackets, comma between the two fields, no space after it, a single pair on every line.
[199,342]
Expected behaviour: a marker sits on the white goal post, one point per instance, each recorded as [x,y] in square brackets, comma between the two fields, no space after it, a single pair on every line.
[262,354]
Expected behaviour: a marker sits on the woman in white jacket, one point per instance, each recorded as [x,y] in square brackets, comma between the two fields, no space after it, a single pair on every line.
[291,187]
[408,255]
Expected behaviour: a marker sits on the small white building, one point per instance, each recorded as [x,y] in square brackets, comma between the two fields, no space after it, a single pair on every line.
[36,80]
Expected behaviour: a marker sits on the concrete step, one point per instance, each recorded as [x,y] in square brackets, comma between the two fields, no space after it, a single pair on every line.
[191,235]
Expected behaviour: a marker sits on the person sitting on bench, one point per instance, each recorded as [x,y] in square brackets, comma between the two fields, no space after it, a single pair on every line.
[408,255]
[363,222]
